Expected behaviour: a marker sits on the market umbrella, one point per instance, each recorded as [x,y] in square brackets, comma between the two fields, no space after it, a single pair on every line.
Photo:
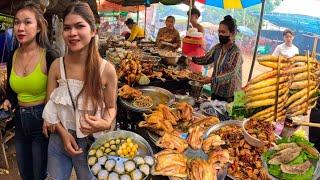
[230,4]
[238,4]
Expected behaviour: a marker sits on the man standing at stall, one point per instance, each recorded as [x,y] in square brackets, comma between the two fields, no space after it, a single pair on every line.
[286,49]
[168,37]
[137,33]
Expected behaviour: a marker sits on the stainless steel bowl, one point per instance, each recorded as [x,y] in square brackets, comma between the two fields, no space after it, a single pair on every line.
[143,150]
[158,95]
[250,139]
[171,60]
[144,147]
[185,98]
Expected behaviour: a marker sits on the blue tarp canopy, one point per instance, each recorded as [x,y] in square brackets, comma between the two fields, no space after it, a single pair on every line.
[296,22]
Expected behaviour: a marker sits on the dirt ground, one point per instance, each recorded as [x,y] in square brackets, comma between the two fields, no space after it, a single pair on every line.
[13,171]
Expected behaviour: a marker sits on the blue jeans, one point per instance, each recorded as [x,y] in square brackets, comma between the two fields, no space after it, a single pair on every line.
[31,144]
[60,163]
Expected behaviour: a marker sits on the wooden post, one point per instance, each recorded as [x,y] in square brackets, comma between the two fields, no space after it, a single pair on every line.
[145,20]
[308,87]
[277,89]
[315,44]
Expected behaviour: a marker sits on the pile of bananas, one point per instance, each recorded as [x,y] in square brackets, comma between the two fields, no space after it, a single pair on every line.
[295,81]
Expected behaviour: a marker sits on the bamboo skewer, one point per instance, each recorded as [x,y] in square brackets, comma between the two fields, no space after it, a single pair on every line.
[300,123]
[277,90]
[308,95]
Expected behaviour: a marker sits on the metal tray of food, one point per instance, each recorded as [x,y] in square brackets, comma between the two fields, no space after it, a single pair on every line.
[144,148]
[158,96]
[193,154]
[315,164]
[222,124]
[218,127]
[155,137]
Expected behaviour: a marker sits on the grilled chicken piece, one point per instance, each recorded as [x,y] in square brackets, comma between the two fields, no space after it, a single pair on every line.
[221,156]
[205,122]
[128,92]
[170,141]
[201,170]
[171,163]
[168,114]
[195,137]
[156,122]
[184,111]
[211,142]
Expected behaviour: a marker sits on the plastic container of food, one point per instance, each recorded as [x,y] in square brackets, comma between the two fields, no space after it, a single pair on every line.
[250,139]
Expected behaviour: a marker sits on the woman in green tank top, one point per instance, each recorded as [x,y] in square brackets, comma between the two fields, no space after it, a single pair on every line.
[27,81]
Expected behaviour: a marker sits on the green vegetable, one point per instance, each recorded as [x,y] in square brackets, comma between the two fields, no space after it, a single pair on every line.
[300,159]
[268,155]
[238,106]
[294,139]
[306,176]
[275,170]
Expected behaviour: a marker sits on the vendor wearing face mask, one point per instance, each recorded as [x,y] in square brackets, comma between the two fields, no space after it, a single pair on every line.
[227,62]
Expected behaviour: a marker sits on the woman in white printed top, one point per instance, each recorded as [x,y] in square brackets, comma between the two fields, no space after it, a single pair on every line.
[286,49]
[82,88]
